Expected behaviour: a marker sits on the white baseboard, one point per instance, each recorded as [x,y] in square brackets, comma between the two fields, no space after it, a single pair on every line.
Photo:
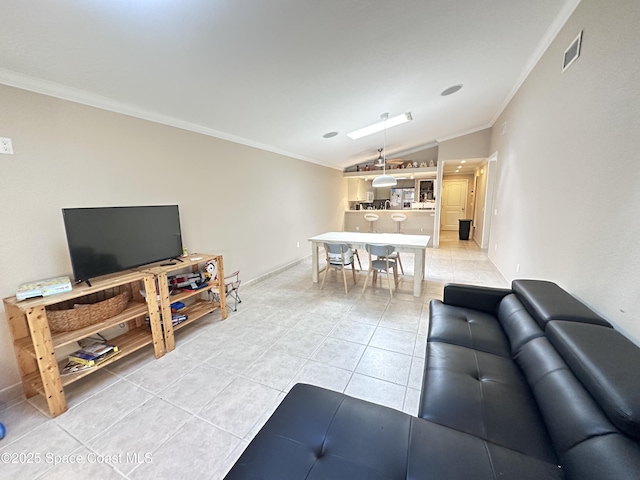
[266,276]
[11,395]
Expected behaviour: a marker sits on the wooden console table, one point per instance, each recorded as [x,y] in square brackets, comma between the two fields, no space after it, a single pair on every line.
[199,306]
[35,344]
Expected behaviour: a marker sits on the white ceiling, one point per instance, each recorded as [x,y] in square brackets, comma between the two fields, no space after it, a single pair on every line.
[279,74]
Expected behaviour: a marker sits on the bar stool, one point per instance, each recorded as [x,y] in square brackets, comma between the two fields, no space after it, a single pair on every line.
[398,218]
[371,218]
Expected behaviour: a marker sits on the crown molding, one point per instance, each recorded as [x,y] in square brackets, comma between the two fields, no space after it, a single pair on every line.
[543,45]
[53,89]
[466,132]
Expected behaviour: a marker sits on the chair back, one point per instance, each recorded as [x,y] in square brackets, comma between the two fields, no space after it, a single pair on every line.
[338,252]
[336,247]
[380,250]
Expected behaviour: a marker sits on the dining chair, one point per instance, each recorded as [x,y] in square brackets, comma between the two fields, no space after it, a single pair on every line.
[355,252]
[398,218]
[381,264]
[339,255]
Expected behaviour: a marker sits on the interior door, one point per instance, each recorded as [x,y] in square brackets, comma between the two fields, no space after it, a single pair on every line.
[454,203]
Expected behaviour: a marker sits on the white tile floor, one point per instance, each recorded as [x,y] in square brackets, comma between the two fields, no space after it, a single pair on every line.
[191,413]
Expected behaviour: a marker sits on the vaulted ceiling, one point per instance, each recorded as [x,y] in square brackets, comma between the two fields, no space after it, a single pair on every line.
[280,74]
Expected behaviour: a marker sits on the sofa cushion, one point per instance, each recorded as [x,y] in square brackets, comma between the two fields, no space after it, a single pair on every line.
[442,453]
[546,301]
[606,363]
[570,413]
[608,456]
[518,325]
[467,328]
[320,434]
[316,433]
[484,395]
[475,297]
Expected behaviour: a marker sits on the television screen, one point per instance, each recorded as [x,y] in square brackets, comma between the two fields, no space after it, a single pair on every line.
[111,239]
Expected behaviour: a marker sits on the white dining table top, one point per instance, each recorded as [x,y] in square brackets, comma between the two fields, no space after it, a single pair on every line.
[398,239]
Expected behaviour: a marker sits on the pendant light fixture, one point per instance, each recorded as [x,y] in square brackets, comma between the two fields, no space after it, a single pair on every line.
[384,180]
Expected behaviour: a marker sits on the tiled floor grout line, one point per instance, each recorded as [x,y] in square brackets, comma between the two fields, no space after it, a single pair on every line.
[291,293]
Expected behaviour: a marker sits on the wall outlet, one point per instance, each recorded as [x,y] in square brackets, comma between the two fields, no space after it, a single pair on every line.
[6,146]
[503,130]
[517,268]
[357,229]
[298,244]
[495,247]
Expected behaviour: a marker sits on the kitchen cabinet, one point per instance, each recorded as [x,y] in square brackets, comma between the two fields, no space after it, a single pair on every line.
[357,190]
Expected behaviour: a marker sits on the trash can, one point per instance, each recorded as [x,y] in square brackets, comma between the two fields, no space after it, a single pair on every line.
[463,230]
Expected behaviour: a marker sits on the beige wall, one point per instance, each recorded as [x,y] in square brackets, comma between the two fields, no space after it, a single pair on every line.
[473,145]
[250,205]
[569,166]
[425,155]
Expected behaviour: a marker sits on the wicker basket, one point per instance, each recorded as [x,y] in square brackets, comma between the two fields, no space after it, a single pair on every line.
[84,311]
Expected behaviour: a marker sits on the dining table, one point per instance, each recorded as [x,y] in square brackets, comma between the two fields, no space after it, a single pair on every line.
[416,244]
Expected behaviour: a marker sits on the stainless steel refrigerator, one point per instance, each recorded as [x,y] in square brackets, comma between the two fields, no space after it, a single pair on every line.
[402,198]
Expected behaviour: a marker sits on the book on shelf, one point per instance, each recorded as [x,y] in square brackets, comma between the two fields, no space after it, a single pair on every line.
[176,318]
[192,287]
[93,354]
[73,367]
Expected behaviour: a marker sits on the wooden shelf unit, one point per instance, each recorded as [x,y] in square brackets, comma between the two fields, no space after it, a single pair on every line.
[35,344]
[200,306]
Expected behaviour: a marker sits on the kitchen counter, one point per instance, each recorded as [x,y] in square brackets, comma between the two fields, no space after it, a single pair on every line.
[430,210]
[419,222]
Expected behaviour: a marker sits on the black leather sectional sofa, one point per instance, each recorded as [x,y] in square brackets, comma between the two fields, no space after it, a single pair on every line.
[520,383]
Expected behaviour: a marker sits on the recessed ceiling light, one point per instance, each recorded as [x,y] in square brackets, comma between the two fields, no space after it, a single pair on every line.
[463,161]
[330,134]
[450,90]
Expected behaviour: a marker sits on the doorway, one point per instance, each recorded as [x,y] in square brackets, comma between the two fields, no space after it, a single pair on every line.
[454,203]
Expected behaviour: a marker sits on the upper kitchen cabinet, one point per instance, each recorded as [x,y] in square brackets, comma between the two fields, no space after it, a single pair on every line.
[357,190]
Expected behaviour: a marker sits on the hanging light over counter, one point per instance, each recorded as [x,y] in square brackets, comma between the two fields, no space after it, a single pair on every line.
[384,180]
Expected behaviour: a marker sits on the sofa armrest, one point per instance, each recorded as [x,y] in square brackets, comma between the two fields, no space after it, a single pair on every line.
[484,299]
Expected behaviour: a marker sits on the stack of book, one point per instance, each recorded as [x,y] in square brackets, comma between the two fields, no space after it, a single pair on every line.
[89,356]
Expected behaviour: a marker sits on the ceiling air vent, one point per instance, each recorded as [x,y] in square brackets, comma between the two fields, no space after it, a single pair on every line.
[572,53]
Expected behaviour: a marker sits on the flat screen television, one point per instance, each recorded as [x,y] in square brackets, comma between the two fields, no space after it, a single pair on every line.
[111,239]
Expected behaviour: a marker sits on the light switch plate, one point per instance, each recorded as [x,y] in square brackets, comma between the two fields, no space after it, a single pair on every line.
[5,146]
